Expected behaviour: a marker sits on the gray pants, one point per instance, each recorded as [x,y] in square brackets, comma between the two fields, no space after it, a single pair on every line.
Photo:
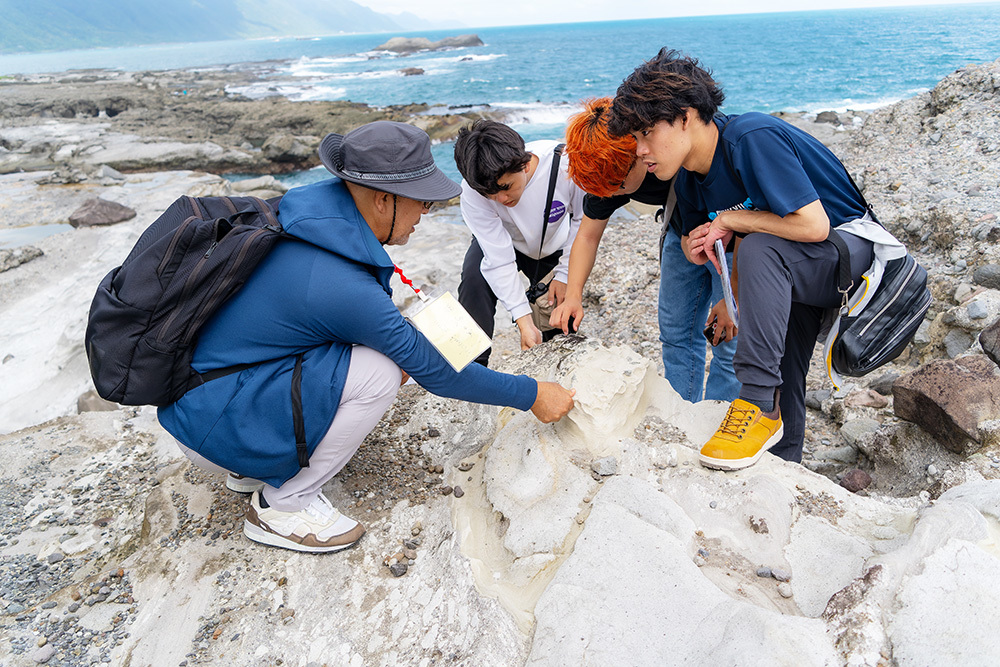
[784,289]
[371,386]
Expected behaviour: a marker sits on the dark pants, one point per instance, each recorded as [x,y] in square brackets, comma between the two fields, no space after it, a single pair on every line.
[477,297]
[784,289]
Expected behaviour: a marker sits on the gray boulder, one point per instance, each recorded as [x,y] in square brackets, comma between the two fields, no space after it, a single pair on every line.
[99,211]
[288,148]
[987,275]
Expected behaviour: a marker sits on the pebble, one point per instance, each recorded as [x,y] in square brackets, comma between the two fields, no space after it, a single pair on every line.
[764,572]
[698,560]
[855,480]
[411,544]
[55,557]
[781,575]
[466,466]
[44,654]
[785,590]
[446,490]
[48,605]
[459,492]
[398,569]
[605,466]
[410,554]
[74,607]
[932,470]
[703,553]
[976,311]
[433,432]
[713,504]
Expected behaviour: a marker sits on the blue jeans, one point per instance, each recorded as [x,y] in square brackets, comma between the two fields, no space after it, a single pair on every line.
[687,293]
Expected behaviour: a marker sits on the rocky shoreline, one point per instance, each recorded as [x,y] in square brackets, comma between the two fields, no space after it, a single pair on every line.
[177,119]
[116,551]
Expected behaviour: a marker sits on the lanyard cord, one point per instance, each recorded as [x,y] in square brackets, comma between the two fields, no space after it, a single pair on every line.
[409,283]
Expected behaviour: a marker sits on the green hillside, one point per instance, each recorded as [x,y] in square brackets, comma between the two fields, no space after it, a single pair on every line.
[44,25]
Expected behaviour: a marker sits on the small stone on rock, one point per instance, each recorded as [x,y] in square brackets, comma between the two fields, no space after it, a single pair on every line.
[764,572]
[781,575]
[785,590]
[398,569]
[465,466]
[855,480]
[446,490]
[605,466]
[976,310]
[459,492]
[55,557]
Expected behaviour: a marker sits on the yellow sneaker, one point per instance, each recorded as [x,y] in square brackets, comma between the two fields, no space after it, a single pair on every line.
[744,435]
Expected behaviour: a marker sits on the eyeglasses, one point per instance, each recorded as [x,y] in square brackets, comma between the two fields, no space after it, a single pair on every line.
[428,205]
[621,185]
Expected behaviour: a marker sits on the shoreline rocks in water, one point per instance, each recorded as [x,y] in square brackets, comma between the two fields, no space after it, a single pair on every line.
[179,119]
[414,44]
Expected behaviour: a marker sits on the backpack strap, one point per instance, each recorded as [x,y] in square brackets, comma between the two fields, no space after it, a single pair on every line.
[298,420]
[553,177]
[844,282]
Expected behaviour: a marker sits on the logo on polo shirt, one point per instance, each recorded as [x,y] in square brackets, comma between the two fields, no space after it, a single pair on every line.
[557,211]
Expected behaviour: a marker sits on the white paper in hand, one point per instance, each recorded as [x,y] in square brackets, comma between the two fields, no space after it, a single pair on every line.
[727,285]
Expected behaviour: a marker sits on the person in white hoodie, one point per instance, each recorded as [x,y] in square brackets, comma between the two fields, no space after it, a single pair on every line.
[505,189]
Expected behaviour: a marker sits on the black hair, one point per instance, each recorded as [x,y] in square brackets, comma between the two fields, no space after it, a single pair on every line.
[485,151]
[663,89]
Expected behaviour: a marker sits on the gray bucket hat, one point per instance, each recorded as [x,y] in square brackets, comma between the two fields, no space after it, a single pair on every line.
[388,156]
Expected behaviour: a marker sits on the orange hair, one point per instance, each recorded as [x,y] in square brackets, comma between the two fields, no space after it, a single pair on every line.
[598,162]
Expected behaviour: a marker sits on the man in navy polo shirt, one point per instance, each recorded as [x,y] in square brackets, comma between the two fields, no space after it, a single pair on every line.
[756,177]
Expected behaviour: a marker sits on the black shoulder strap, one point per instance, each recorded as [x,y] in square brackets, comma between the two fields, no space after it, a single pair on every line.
[553,175]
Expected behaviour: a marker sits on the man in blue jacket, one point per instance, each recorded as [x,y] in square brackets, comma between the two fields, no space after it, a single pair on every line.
[323,300]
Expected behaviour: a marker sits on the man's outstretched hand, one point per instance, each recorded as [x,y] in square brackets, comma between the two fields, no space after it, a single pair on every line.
[552,402]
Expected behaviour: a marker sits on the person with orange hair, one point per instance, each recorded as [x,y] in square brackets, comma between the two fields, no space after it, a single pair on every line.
[606,168]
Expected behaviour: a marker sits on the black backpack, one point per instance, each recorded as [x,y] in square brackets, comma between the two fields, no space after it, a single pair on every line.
[875,324]
[145,317]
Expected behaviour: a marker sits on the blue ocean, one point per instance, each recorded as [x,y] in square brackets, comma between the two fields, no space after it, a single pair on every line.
[797,61]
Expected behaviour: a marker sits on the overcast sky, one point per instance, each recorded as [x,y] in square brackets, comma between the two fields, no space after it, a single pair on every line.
[481,13]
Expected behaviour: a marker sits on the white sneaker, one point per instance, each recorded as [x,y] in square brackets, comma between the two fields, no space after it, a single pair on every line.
[316,529]
[241,484]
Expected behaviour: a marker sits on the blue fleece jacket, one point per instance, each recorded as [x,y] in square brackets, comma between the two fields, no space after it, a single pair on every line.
[319,299]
